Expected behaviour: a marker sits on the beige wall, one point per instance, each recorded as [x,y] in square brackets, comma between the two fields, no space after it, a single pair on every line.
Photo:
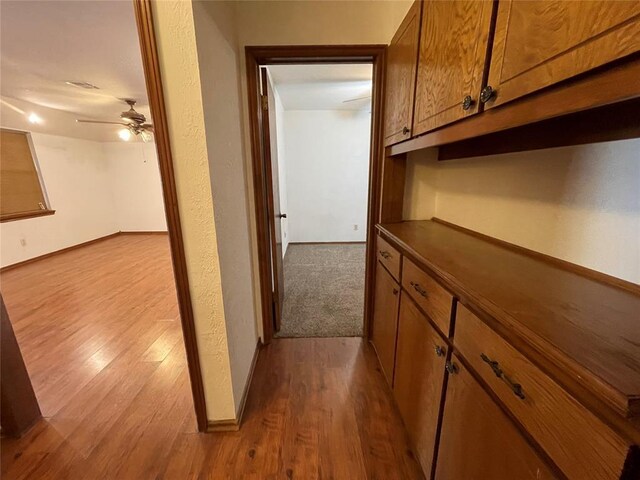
[581,203]
[175,33]
[220,79]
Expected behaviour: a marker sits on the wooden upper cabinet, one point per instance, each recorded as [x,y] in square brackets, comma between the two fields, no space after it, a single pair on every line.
[478,441]
[453,48]
[402,57]
[540,43]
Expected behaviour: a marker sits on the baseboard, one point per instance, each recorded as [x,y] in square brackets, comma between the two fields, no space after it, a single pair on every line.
[58,252]
[234,424]
[145,232]
[79,245]
[327,243]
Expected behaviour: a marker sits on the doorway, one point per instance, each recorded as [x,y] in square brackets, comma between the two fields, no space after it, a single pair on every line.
[90,287]
[313,243]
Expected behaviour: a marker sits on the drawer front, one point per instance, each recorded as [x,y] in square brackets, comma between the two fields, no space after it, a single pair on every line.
[428,293]
[580,444]
[389,257]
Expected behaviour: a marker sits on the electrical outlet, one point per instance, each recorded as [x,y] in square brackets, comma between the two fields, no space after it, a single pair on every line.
[23,242]
[355,227]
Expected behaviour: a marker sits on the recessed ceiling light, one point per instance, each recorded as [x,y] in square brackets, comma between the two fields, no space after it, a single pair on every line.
[33,118]
[87,85]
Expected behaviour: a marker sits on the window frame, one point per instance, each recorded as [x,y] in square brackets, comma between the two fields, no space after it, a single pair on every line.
[10,217]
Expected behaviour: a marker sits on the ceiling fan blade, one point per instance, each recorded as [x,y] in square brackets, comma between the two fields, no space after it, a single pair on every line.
[99,121]
[356,99]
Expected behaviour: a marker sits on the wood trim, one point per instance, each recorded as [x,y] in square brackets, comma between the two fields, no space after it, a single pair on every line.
[620,122]
[327,243]
[256,56]
[247,385]
[11,217]
[572,267]
[149,52]
[58,252]
[233,425]
[605,86]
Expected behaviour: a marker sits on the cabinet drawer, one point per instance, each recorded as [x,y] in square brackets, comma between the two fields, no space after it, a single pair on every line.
[428,293]
[389,257]
[580,444]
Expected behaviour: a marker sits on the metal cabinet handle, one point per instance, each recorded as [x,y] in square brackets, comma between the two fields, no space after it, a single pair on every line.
[487,94]
[451,367]
[405,130]
[467,103]
[384,254]
[440,351]
[419,289]
[395,291]
[282,215]
[516,388]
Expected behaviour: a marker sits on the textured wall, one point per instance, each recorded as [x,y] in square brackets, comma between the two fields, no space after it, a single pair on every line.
[219,76]
[175,32]
[581,203]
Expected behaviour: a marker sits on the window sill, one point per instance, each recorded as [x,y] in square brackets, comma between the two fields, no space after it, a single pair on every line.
[21,216]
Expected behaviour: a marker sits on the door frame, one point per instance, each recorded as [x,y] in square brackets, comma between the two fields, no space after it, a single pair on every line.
[153,80]
[260,56]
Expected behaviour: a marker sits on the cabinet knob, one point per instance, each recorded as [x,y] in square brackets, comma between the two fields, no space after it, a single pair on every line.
[440,351]
[487,94]
[405,130]
[395,291]
[467,103]
[451,367]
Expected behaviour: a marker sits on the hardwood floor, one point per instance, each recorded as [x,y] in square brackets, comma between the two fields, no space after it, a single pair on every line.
[100,334]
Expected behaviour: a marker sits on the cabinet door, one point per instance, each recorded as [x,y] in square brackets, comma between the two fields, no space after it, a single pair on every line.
[417,387]
[478,441]
[402,58]
[539,43]
[385,320]
[453,49]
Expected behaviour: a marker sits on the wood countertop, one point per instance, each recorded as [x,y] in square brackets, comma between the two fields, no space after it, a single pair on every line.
[588,331]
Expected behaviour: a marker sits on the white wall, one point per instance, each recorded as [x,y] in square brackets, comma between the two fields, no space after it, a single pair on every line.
[327,155]
[78,183]
[136,185]
[580,203]
[282,168]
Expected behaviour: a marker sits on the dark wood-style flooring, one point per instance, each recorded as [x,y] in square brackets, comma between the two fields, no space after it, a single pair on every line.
[99,331]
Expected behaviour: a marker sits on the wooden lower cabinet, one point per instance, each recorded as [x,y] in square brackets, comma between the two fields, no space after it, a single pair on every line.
[385,320]
[420,370]
[478,441]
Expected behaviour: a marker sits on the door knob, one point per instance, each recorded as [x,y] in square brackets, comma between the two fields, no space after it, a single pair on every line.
[487,94]
[467,102]
[282,215]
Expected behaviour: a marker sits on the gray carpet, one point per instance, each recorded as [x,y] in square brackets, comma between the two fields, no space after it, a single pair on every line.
[323,290]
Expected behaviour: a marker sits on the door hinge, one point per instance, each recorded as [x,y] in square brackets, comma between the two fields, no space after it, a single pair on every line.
[265,102]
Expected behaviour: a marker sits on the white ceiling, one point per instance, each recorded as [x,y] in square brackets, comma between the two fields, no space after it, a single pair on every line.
[323,87]
[47,43]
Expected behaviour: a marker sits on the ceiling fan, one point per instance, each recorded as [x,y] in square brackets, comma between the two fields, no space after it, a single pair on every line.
[134,123]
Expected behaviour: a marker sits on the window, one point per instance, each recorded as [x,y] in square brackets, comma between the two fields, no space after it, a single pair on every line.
[21,191]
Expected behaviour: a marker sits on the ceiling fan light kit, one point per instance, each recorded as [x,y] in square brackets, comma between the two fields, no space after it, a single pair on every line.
[134,123]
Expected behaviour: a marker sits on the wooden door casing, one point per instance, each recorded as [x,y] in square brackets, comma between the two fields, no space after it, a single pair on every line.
[384,326]
[273,196]
[419,378]
[540,43]
[478,441]
[402,58]
[453,47]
